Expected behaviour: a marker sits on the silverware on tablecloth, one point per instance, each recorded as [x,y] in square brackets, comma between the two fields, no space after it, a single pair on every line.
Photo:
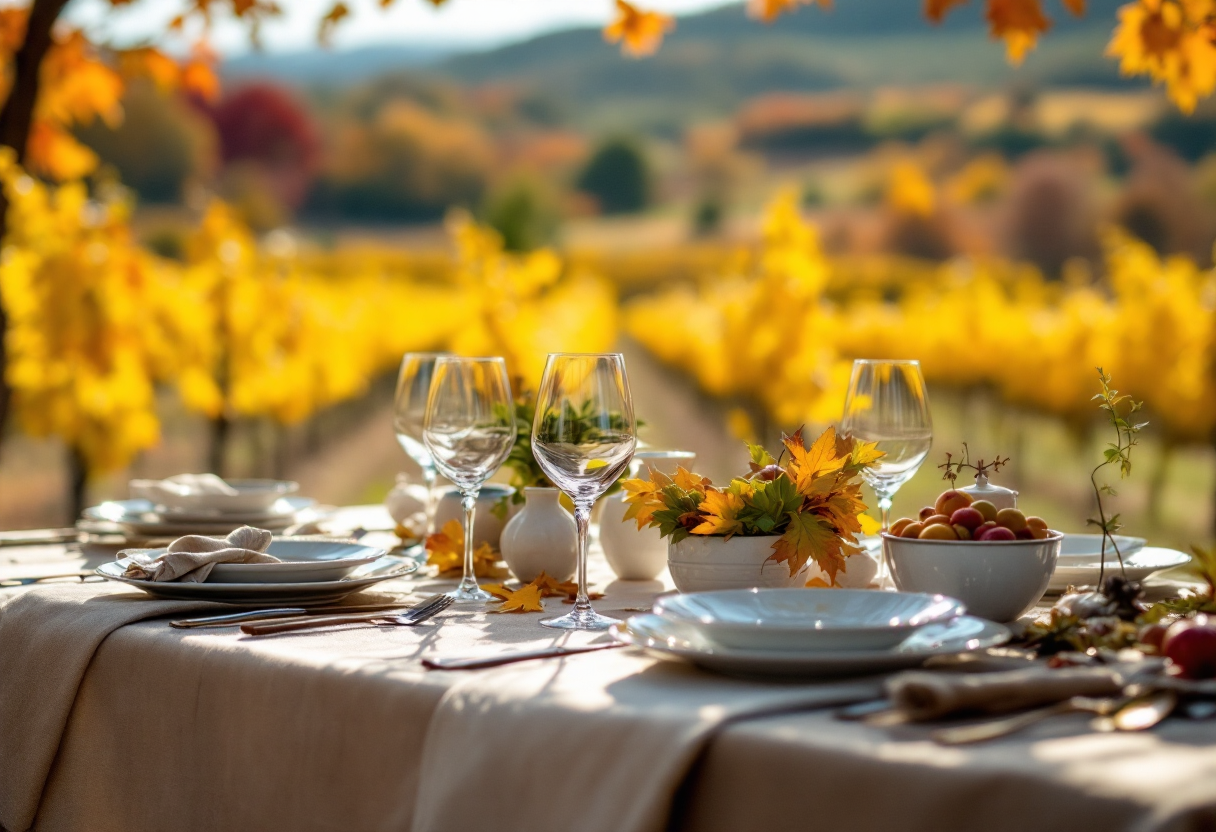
[413,615]
[1140,712]
[1005,725]
[6,583]
[477,662]
[234,618]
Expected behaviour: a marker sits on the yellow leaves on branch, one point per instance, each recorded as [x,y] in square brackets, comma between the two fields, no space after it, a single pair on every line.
[639,32]
[1019,23]
[770,10]
[445,551]
[1171,41]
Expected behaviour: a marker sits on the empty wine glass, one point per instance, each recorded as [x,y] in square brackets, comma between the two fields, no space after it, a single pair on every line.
[409,415]
[469,430]
[583,436]
[887,404]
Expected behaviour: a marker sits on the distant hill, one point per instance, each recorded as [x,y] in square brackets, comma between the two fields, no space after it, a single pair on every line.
[717,59]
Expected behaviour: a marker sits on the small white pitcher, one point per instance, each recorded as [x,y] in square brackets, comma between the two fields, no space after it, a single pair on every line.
[633,554]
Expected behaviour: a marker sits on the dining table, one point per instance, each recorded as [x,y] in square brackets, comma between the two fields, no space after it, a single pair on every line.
[111,720]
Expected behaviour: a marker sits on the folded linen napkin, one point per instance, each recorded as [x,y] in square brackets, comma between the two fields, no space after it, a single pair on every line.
[925,695]
[181,490]
[190,559]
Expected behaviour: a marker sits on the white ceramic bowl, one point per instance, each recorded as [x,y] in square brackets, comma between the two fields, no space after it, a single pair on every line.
[808,619]
[702,563]
[252,497]
[997,580]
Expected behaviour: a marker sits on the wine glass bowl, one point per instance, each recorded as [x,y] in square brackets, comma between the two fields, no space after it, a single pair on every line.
[583,437]
[409,418]
[469,429]
[887,404]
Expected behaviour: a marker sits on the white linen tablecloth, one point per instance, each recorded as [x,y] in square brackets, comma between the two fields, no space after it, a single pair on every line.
[344,730]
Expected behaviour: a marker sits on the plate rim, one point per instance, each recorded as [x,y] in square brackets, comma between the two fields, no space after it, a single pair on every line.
[404,567]
[803,659]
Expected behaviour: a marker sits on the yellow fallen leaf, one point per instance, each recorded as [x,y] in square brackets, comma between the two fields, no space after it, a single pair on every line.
[445,551]
[525,599]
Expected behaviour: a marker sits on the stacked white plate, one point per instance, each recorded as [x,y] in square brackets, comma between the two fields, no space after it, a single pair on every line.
[312,570]
[807,632]
[1080,561]
[141,518]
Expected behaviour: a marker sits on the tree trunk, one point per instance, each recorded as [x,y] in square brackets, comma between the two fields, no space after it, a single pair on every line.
[15,119]
[78,473]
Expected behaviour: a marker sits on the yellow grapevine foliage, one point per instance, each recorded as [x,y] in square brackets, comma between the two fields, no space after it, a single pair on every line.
[811,505]
[95,320]
[1152,321]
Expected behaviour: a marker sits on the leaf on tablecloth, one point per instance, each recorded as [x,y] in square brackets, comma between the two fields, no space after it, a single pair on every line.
[591,596]
[524,599]
[550,587]
[445,551]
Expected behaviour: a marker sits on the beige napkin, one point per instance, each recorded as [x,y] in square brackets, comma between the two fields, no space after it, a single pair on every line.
[925,695]
[48,635]
[190,559]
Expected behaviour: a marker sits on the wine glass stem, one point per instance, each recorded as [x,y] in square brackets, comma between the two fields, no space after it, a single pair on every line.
[468,580]
[582,519]
[429,477]
[884,508]
[884,569]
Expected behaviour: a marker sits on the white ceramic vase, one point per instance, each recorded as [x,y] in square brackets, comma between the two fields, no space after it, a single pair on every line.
[487,524]
[702,563]
[637,554]
[542,537]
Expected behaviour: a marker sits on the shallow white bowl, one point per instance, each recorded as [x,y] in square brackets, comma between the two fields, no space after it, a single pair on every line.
[1086,548]
[997,580]
[301,561]
[808,619]
[253,496]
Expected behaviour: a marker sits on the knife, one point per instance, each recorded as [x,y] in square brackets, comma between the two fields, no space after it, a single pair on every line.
[11,582]
[229,619]
[475,663]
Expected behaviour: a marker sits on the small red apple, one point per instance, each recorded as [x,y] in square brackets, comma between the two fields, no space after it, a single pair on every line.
[996,534]
[968,517]
[1191,644]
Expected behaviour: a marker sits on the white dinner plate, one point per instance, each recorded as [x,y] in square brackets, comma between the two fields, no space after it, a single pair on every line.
[140,518]
[808,619]
[670,638]
[312,592]
[1140,564]
[286,507]
[301,560]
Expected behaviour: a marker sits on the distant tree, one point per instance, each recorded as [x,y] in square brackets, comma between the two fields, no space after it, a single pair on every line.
[524,212]
[262,125]
[618,177]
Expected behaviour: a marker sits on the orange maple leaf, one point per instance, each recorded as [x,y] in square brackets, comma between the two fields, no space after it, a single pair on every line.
[936,10]
[643,498]
[524,599]
[690,481]
[639,32]
[721,509]
[813,470]
[770,10]
[810,537]
[551,587]
[330,20]
[445,551]
[1019,22]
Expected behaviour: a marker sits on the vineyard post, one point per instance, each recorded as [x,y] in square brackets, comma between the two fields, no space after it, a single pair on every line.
[15,119]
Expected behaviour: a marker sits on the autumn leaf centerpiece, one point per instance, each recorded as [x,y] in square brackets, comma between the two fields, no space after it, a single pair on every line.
[807,501]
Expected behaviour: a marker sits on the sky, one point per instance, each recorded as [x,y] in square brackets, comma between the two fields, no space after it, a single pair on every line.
[464,22]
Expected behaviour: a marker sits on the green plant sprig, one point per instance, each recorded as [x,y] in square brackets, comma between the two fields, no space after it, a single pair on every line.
[1119,408]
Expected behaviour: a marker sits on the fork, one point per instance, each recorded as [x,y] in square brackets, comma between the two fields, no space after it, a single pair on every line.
[414,615]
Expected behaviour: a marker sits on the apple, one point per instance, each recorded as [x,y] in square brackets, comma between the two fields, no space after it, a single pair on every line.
[997,533]
[951,501]
[1191,644]
[968,517]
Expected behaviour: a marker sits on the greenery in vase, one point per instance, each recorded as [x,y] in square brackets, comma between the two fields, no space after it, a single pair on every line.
[525,470]
[812,503]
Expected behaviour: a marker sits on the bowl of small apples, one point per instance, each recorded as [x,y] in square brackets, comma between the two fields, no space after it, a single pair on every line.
[998,562]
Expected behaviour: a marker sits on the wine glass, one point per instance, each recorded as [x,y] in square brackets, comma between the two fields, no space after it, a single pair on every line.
[583,436]
[469,429]
[409,415]
[887,404]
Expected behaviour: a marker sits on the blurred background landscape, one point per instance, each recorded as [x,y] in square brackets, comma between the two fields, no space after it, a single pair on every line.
[1011,227]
